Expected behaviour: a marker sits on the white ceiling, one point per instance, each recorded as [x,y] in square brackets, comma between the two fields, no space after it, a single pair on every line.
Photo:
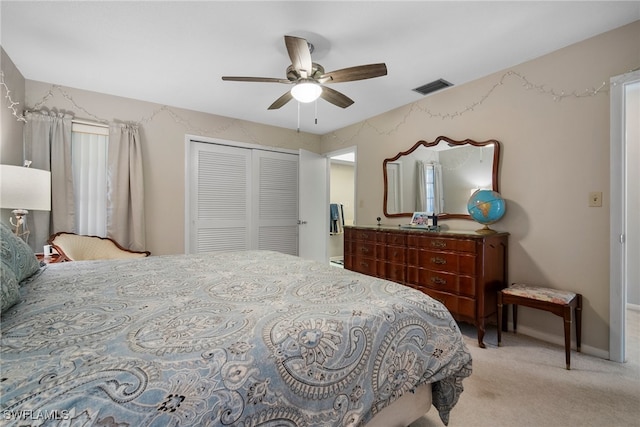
[175,52]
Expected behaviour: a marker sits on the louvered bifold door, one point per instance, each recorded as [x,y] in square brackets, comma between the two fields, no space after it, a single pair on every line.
[275,185]
[220,205]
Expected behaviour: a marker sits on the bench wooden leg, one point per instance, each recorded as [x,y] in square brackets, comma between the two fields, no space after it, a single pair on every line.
[567,335]
[579,322]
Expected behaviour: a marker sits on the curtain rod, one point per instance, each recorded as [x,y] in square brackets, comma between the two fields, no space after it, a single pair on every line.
[86,122]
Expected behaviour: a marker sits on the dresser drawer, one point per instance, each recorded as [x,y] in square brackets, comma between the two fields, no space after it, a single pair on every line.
[365,235]
[395,239]
[394,272]
[443,261]
[445,244]
[365,265]
[467,286]
[432,279]
[365,249]
[395,254]
[458,306]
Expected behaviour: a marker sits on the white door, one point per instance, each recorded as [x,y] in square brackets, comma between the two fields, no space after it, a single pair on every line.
[313,206]
[220,198]
[275,186]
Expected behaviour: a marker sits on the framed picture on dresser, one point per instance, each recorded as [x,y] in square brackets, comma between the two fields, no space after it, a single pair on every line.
[420,218]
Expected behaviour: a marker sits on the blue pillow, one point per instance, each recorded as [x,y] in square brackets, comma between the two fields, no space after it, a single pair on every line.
[18,256]
[10,290]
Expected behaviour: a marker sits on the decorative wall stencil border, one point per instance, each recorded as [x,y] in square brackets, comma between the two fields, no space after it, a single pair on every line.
[11,102]
[190,128]
[416,107]
[251,135]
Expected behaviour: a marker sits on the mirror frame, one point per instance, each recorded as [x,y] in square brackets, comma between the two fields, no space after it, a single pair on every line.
[422,143]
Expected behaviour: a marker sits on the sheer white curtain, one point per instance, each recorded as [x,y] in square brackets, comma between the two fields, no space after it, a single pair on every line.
[47,143]
[89,158]
[125,191]
[429,194]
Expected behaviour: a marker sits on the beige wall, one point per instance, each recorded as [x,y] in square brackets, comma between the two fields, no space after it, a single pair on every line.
[11,129]
[163,131]
[554,152]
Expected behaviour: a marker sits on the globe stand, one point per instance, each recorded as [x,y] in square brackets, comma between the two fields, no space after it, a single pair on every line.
[486,230]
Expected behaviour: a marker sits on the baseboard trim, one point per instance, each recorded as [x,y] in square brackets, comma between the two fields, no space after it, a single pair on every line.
[634,307]
[559,340]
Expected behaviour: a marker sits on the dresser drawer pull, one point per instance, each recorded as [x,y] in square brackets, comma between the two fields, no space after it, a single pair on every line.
[364,264]
[438,281]
[438,260]
[365,250]
[438,244]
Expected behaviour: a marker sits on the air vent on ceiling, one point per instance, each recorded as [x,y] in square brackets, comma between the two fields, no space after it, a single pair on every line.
[433,86]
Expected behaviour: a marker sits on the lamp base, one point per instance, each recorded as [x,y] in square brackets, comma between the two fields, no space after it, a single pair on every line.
[20,225]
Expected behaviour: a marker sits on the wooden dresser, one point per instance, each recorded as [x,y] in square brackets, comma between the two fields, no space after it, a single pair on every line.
[463,270]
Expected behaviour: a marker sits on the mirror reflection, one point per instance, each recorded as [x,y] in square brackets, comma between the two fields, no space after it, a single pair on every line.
[439,177]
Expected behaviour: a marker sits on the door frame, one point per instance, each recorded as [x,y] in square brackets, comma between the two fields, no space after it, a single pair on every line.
[618,217]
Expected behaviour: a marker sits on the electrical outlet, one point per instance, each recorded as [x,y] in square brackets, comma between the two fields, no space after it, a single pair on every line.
[595,199]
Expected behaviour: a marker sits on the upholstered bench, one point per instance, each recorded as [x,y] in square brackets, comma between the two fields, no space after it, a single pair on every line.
[77,247]
[560,303]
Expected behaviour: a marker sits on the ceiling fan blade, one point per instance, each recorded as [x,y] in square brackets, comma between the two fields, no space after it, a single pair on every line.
[335,97]
[255,79]
[281,101]
[350,74]
[299,53]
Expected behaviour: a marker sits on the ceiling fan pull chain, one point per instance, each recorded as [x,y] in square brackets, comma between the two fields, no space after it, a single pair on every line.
[298,129]
[316,111]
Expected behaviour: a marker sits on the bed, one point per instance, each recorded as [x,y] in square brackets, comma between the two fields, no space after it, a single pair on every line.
[250,338]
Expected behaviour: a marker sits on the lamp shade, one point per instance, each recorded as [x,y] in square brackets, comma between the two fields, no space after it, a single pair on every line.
[25,188]
[306,91]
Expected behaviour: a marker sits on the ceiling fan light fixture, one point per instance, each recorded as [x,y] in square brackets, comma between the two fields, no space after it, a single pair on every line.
[306,91]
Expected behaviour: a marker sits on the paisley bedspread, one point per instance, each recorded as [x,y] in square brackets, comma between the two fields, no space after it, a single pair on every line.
[253,338]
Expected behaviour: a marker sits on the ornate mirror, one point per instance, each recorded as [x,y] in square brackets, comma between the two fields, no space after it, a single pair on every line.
[439,177]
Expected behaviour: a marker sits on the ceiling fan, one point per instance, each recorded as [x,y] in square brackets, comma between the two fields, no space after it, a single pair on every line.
[309,79]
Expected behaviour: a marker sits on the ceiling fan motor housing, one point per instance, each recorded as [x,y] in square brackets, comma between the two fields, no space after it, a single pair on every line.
[293,74]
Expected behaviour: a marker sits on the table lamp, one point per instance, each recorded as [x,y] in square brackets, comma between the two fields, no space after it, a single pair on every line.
[22,189]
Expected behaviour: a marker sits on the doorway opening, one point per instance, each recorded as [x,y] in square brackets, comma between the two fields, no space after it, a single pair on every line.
[342,197]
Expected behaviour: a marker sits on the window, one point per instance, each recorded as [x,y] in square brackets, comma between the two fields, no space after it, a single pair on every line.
[89,161]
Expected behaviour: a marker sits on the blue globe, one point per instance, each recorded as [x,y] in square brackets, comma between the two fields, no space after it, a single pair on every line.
[486,207]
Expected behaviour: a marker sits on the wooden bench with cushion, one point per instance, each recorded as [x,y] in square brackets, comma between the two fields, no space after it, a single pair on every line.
[77,247]
[560,303]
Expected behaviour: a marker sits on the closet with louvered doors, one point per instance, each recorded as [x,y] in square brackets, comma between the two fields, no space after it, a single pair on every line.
[241,198]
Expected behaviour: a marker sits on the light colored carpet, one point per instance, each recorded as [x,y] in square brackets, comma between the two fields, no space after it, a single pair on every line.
[524,383]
